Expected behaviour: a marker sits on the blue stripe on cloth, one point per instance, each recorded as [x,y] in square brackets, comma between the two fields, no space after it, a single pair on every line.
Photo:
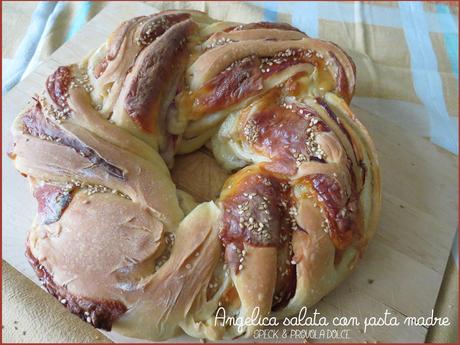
[57,12]
[380,15]
[368,14]
[81,17]
[450,40]
[28,44]
[304,14]
[270,15]
[426,78]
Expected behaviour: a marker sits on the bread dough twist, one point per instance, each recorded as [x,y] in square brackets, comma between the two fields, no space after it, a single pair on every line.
[114,240]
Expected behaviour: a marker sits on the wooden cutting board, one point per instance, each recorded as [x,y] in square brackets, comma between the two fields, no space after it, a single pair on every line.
[403,267]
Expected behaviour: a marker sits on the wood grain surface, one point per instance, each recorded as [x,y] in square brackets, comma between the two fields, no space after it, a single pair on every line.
[403,267]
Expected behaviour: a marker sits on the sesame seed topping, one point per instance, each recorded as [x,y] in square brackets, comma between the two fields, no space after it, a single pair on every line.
[300,158]
[153,29]
[293,217]
[52,112]
[90,189]
[219,42]
[325,225]
[81,79]
[251,131]
[240,62]
[170,239]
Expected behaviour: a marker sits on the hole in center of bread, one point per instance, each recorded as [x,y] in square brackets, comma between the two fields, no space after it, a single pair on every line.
[199,174]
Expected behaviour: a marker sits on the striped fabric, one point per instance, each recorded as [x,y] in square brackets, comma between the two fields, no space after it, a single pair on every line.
[406,53]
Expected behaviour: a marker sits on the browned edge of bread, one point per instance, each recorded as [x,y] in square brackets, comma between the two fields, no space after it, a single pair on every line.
[100,313]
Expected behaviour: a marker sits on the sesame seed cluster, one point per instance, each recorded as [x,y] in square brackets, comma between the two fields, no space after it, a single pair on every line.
[60,110]
[152,29]
[251,131]
[219,42]
[289,55]
[312,146]
[241,254]
[90,189]
[256,222]
[53,112]
[247,60]
[170,239]
[282,135]
[81,79]
[279,58]
[263,215]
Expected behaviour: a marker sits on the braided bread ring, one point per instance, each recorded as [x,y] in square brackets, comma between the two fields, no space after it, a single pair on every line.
[115,241]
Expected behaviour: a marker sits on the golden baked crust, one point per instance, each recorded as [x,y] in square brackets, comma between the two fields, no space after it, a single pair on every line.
[115,241]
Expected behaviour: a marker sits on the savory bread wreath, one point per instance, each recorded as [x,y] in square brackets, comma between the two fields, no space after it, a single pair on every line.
[121,247]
